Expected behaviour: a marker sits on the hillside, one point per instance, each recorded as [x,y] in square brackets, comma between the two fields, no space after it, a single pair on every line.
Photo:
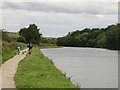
[9,36]
[13,34]
[9,45]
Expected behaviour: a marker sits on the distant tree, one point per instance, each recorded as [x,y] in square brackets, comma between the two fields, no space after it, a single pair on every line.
[112,37]
[101,40]
[84,38]
[118,36]
[31,34]
[48,40]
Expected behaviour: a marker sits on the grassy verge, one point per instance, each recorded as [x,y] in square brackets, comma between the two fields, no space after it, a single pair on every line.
[37,71]
[49,46]
[0,55]
[9,51]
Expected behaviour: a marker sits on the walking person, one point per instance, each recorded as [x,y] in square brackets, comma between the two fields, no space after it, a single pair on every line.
[30,47]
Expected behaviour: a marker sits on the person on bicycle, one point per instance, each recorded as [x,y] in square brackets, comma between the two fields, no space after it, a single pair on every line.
[30,47]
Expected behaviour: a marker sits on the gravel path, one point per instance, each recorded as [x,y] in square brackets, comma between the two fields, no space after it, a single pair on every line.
[8,70]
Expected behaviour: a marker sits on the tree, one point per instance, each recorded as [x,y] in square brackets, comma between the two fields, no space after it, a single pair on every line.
[21,39]
[101,40]
[31,34]
[118,36]
[113,37]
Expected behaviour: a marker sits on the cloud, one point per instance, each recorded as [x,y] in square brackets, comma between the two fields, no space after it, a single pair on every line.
[70,8]
[54,25]
[57,19]
[61,1]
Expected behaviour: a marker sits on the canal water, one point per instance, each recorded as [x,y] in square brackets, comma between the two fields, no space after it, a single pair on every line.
[87,67]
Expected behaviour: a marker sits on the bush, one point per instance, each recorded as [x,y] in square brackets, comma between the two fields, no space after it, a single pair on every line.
[21,39]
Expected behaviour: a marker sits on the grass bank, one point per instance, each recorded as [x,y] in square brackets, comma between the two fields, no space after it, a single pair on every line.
[0,55]
[9,50]
[49,46]
[37,71]
[9,45]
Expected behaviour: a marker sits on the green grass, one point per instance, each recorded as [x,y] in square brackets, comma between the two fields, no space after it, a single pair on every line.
[37,71]
[0,56]
[9,46]
[9,51]
[49,46]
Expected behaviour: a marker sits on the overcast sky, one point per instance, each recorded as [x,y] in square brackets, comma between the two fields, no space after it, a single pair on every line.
[58,18]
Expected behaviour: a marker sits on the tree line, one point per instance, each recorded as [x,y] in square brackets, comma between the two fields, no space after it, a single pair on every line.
[96,37]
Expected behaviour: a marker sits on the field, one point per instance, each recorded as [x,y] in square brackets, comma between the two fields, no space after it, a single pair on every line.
[13,35]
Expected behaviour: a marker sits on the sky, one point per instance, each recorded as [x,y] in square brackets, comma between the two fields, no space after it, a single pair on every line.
[56,18]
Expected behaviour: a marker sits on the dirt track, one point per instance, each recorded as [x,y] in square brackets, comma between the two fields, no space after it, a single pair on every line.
[8,70]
